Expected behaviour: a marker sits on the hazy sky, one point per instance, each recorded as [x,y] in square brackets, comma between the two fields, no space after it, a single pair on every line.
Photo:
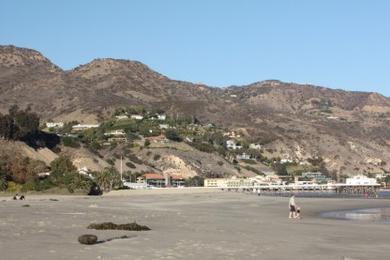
[335,43]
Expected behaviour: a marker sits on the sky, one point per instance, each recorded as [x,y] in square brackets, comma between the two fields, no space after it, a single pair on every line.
[333,43]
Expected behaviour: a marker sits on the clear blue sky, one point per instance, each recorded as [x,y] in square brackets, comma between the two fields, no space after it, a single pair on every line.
[335,43]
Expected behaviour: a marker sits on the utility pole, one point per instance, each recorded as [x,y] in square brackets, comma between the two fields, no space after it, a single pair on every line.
[122,168]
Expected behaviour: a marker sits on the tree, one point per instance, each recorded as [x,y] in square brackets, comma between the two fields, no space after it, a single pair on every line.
[171,134]
[280,169]
[18,124]
[195,181]
[108,179]
[61,167]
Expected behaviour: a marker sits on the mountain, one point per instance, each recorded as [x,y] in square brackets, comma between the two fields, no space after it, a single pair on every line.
[349,130]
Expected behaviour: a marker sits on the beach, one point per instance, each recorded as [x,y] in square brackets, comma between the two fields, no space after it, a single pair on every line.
[188,224]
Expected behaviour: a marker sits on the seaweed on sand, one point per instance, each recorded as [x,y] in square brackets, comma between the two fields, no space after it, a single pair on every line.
[111,226]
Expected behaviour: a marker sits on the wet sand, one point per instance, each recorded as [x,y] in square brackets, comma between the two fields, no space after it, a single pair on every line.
[188,224]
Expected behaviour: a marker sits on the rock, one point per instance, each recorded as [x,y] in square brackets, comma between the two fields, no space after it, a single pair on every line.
[88,239]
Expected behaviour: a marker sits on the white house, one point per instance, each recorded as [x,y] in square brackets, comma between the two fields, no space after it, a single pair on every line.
[361,180]
[232,145]
[255,146]
[118,132]
[137,117]
[243,156]
[283,161]
[161,117]
[54,124]
[164,126]
[121,117]
[80,127]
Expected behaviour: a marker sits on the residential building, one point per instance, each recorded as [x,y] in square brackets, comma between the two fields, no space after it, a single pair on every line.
[316,176]
[54,124]
[121,117]
[163,126]
[361,180]
[255,146]
[137,117]
[161,117]
[80,127]
[118,132]
[243,156]
[117,140]
[233,182]
[154,179]
[233,145]
[160,180]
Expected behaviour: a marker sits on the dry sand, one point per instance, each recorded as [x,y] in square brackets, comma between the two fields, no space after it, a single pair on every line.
[188,224]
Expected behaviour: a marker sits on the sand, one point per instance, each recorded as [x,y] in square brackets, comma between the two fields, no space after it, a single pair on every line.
[188,224]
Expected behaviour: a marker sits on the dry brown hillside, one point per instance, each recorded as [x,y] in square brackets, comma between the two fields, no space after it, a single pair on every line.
[350,130]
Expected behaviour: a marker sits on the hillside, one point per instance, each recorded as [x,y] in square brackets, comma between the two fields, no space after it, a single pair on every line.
[349,130]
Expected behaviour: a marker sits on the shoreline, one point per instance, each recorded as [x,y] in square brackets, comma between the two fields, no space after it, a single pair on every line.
[191,225]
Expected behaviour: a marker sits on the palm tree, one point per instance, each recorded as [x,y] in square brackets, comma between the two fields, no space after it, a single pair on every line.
[108,178]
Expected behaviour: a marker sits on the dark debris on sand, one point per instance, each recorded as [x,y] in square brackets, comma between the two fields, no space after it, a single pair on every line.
[111,226]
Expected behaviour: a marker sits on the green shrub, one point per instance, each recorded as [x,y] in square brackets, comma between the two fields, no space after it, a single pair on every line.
[172,135]
[204,147]
[248,161]
[14,187]
[134,159]
[156,157]
[28,186]
[111,161]
[130,165]
[70,142]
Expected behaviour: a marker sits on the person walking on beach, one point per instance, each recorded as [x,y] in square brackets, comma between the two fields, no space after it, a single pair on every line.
[292,207]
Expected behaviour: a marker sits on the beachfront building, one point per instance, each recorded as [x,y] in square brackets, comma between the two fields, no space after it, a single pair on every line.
[361,180]
[233,182]
[159,180]
[318,177]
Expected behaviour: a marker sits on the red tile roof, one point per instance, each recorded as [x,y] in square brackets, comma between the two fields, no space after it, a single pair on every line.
[156,176]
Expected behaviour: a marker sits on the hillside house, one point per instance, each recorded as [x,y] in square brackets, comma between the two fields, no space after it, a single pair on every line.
[117,139]
[232,134]
[121,117]
[255,146]
[118,132]
[161,117]
[137,117]
[54,124]
[243,156]
[163,126]
[233,145]
[157,139]
[80,127]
